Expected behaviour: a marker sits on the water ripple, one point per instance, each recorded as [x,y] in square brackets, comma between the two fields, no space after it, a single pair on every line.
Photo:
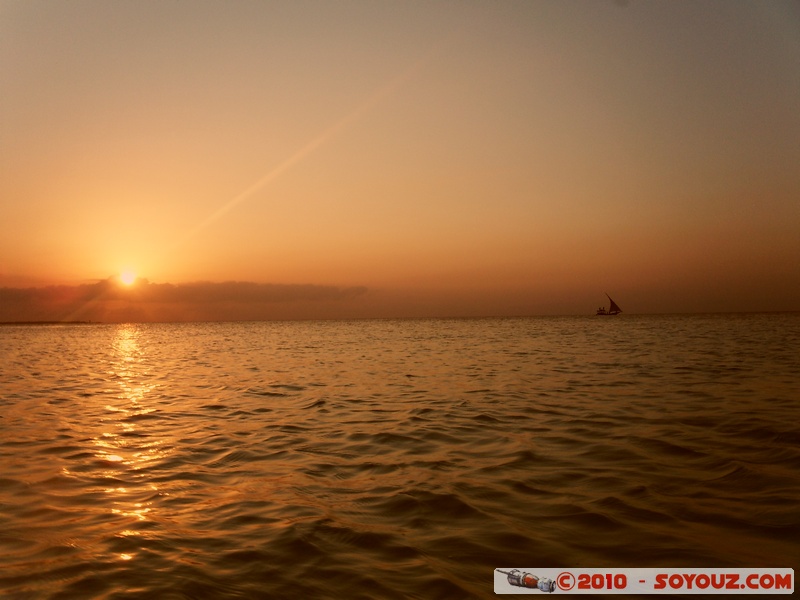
[390,459]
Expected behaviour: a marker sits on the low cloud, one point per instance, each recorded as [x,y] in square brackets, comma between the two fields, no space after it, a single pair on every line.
[109,301]
[239,291]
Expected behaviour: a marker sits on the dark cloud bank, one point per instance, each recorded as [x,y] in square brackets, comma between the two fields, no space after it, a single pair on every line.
[109,301]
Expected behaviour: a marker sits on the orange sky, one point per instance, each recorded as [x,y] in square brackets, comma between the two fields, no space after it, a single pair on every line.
[443,157]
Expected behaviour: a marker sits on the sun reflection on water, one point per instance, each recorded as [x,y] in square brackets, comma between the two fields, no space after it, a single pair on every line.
[129,444]
[129,367]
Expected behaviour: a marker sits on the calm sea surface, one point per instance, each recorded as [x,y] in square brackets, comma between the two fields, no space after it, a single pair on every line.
[392,459]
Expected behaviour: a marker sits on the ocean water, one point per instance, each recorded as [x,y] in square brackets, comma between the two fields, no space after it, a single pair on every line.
[392,459]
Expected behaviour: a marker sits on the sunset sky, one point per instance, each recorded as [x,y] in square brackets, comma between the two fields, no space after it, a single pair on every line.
[409,158]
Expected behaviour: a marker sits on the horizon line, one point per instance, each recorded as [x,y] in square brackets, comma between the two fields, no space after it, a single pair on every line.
[393,318]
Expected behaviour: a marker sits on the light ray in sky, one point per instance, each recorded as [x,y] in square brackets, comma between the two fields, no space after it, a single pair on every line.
[326,136]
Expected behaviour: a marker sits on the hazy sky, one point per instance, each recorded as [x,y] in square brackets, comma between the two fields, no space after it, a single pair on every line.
[473,157]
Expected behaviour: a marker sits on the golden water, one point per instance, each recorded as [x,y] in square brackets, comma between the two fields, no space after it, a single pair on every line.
[391,459]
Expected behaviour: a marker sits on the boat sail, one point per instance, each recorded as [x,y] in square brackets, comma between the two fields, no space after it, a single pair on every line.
[613,309]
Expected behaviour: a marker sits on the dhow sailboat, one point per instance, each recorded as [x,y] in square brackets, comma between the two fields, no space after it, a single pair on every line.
[613,309]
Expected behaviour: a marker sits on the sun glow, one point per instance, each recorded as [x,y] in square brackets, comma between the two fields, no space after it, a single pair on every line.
[127,277]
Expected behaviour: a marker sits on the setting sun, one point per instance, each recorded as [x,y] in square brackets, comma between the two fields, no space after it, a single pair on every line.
[127,277]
